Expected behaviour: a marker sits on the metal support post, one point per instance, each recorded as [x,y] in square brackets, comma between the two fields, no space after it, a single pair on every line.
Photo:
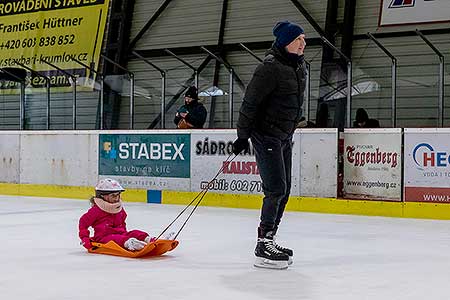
[308,90]
[230,99]
[47,86]
[163,86]
[231,71]
[441,78]
[21,96]
[101,77]
[73,80]
[348,117]
[131,77]
[163,100]
[393,79]
[349,94]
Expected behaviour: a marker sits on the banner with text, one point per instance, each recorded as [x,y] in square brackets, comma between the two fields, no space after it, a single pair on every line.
[209,153]
[399,12]
[427,165]
[55,31]
[146,161]
[372,163]
[210,150]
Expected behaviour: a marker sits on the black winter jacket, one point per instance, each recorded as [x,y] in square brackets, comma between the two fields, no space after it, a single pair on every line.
[196,114]
[274,97]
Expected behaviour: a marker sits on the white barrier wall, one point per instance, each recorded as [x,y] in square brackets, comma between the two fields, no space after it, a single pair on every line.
[317,155]
[180,160]
[9,157]
[59,158]
[372,163]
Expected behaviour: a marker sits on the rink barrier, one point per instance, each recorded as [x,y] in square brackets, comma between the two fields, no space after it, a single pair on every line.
[70,163]
[296,203]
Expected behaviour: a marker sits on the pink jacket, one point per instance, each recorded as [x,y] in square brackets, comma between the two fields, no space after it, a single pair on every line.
[104,224]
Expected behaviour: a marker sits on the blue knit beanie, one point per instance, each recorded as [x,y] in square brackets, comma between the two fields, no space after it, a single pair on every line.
[285,32]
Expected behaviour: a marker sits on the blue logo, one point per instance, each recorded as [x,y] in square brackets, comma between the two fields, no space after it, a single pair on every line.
[402,3]
[109,151]
[425,156]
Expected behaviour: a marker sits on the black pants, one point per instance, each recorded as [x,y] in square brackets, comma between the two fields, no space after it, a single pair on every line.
[274,160]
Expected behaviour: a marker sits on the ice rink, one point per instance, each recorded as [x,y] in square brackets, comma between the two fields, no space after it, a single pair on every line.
[336,256]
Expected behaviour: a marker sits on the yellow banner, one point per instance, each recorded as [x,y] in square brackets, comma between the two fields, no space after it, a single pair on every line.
[33,32]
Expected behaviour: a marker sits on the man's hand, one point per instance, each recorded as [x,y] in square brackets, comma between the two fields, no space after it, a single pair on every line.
[239,145]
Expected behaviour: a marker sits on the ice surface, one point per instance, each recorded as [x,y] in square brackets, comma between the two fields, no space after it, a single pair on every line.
[336,256]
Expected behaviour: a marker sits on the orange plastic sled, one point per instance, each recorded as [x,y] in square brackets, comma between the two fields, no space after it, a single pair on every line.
[157,248]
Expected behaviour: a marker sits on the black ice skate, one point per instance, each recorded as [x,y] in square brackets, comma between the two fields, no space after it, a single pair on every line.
[287,251]
[267,255]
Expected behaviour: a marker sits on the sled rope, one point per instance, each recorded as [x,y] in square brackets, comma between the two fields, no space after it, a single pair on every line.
[201,194]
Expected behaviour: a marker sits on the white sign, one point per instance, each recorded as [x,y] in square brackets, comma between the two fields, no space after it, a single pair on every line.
[372,163]
[209,153]
[427,165]
[210,150]
[318,161]
[401,12]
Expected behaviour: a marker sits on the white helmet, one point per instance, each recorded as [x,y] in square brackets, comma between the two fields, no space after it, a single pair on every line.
[108,185]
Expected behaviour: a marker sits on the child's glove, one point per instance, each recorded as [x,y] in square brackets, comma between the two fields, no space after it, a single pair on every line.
[86,242]
[134,244]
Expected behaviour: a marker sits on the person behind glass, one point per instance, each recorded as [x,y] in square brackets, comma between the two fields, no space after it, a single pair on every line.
[192,114]
[269,114]
[107,217]
[362,120]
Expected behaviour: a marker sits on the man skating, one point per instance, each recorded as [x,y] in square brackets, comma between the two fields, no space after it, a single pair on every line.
[268,116]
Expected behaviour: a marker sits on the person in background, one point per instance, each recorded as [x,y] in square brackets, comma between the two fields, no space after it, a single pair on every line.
[269,114]
[303,123]
[107,217]
[362,120]
[193,113]
[322,116]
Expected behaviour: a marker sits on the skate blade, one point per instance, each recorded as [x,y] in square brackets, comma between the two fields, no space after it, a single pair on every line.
[270,264]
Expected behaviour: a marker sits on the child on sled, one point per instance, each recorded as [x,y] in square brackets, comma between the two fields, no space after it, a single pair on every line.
[107,217]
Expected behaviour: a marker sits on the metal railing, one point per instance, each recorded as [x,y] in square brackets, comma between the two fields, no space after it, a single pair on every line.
[231,80]
[393,79]
[73,81]
[47,85]
[131,77]
[441,78]
[102,85]
[348,115]
[163,87]
[21,97]
[187,64]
